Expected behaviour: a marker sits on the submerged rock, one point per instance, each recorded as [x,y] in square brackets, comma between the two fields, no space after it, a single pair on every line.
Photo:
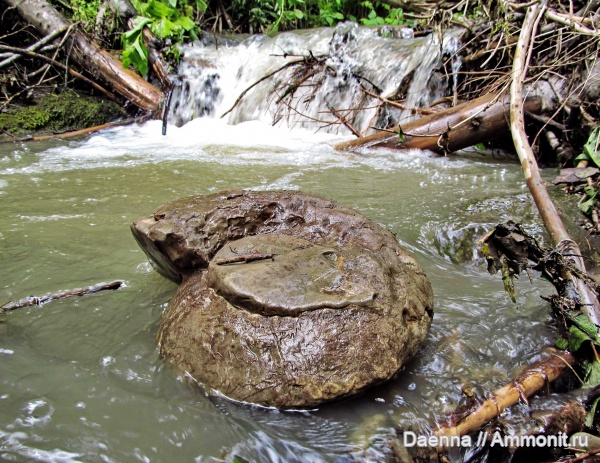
[287,300]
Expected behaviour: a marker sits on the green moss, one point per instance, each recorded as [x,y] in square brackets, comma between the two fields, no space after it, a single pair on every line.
[58,113]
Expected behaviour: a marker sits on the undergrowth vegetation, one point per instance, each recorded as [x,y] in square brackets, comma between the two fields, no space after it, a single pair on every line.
[177,21]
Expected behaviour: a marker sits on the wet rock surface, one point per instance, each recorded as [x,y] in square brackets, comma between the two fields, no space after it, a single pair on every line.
[287,300]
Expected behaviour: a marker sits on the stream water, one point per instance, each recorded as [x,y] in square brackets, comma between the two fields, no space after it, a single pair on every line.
[81,379]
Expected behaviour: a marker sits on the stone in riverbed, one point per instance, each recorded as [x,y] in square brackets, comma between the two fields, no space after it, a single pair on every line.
[333,306]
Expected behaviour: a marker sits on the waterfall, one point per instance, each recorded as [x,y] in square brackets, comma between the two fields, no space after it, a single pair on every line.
[313,79]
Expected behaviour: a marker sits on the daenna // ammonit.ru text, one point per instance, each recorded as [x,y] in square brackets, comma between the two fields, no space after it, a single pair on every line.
[411,439]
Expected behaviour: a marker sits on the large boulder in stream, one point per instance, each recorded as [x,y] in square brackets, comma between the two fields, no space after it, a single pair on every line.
[286,300]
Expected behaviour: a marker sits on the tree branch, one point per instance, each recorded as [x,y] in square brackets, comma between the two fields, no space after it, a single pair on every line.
[32,300]
[552,221]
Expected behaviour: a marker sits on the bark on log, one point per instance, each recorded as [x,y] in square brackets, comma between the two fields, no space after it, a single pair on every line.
[98,62]
[450,130]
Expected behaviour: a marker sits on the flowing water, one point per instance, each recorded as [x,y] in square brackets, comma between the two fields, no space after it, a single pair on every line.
[81,379]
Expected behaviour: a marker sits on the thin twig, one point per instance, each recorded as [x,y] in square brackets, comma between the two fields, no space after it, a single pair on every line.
[343,120]
[262,79]
[36,46]
[60,65]
[244,258]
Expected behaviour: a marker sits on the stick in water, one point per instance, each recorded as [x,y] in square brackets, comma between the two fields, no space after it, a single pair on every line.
[32,300]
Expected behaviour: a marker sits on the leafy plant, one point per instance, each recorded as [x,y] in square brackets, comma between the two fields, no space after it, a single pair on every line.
[290,12]
[258,14]
[330,12]
[591,150]
[170,19]
[588,202]
[581,330]
[392,16]
[82,11]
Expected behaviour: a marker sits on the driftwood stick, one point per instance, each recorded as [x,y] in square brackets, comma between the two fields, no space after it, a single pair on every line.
[33,300]
[534,378]
[344,121]
[587,298]
[583,457]
[244,258]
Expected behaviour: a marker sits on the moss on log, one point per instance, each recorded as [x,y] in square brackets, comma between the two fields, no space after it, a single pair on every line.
[58,113]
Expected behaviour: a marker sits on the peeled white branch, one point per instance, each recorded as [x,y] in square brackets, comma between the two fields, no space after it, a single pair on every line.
[552,221]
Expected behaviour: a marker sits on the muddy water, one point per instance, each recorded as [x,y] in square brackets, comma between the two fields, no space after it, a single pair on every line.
[80,379]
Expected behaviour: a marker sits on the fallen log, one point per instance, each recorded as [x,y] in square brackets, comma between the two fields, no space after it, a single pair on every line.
[450,130]
[33,300]
[98,62]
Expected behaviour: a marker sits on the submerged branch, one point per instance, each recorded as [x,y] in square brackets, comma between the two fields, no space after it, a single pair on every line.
[33,300]
[534,378]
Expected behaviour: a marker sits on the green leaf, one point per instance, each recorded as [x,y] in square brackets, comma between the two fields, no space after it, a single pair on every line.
[132,56]
[163,28]
[400,135]
[587,207]
[586,325]
[562,343]
[592,374]
[159,10]
[173,3]
[589,419]
[581,157]
[186,23]
[201,5]
[577,338]
[298,13]
[591,147]
[139,22]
